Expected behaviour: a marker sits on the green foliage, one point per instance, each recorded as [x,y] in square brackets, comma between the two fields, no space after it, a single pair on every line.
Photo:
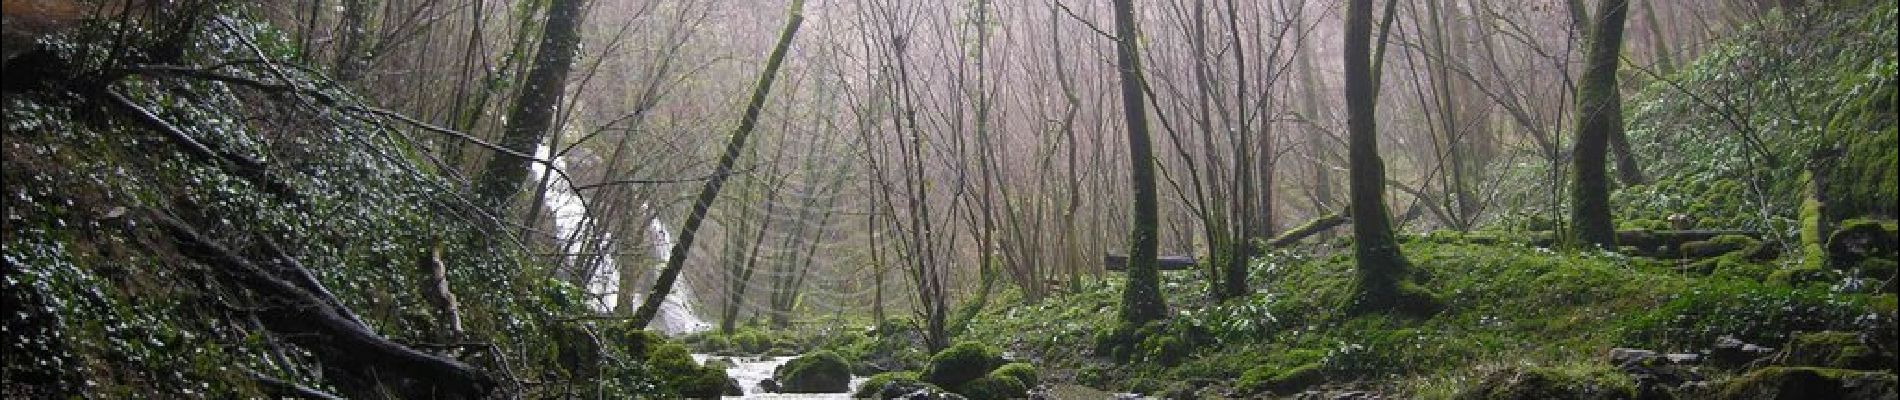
[1750,311]
[961,363]
[1281,380]
[818,372]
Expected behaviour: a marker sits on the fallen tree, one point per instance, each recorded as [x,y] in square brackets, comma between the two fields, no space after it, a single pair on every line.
[365,364]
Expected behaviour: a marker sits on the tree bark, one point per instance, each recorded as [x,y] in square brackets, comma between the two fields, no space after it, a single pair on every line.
[677,260]
[1383,272]
[533,112]
[1141,300]
[1599,118]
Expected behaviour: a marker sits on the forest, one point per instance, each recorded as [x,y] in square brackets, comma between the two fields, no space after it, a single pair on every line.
[950,199]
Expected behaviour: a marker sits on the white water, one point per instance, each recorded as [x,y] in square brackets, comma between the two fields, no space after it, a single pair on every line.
[750,371]
[676,317]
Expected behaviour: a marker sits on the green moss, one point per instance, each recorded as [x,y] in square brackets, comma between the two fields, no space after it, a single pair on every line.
[993,387]
[961,363]
[1863,239]
[1021,371]
[1809,383]
[1833,349]
[1279,380]
[1719,245]
[900,382]
[818,372]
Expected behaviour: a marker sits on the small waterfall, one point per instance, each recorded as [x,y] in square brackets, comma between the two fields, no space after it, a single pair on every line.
[675,316]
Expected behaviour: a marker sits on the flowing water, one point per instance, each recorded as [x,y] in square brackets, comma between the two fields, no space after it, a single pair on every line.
[676,317]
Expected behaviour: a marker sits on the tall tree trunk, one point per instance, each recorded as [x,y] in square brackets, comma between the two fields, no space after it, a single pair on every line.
[1141,300]
[1383,281]
[1599,118]
[677,260]
[533,112]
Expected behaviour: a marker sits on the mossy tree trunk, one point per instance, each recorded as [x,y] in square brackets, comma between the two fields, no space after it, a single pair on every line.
[1599,119]
[1141,299]
[533,113]
[1384,276]
[676,261]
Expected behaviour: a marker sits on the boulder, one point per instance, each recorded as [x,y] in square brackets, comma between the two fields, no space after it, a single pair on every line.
[961,363]
[820,372]
[1832,349]
[1810,383]
[1729,352]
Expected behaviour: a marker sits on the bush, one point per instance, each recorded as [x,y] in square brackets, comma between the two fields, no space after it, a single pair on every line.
[962,363]
[819,372]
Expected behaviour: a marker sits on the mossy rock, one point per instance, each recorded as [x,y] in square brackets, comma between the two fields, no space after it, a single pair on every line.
[891,385]
[709,383]
[993,387]
[1277,380]
[1861,239]
[1800,275]
[962,363]
[1833,349]
[1809,383]
[819,372]
[1539,383]
[1022,371]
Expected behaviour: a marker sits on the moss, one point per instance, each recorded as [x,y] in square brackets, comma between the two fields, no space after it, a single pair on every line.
[993,387]
[1527,383]
[1719,245]
[892,385]
[1809,383]
[1021,371]
[1862,239]
[1278,380]
[818,372]
[961,363]
[1833,349]
[1813,240]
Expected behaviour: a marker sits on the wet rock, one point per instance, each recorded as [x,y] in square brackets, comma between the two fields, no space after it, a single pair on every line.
[732,388]
[770,385]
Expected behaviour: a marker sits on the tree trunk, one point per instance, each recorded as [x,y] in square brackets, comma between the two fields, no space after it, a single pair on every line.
[1141,300]
[1383,273]
[533,112]
[1599,118]
[677,260]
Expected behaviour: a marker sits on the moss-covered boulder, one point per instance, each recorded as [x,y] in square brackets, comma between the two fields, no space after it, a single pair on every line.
[1833,349]
[1719,245]
[1863,239]
[1537,383]
[1022,371]
[893,385]
[1280,380]
[961,363]
[819,372]
[1809,383]
[993,387]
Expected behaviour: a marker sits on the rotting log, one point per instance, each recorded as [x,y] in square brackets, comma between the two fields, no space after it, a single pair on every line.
[1310,228]
[308,320]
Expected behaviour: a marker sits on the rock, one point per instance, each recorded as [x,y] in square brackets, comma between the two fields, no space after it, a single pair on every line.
[961,363]
[770,385]
[1730,352]
[1528,383]
[1022,372]
[1620,355]
[895,385]
[1832,349]
[993,387]
[1810,383]
[733,388]
[1684,358]
[820,372]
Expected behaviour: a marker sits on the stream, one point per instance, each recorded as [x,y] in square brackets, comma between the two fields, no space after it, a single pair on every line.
[676,316]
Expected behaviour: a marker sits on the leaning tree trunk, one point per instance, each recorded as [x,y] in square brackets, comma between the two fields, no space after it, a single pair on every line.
[533,112]
[1383,281]
[1599,118]
[1141,300]
[677,259]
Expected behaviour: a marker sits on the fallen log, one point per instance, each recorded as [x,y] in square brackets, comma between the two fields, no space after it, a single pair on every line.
[1117,262]
[306,319]
[1310,228]
[1643,242]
